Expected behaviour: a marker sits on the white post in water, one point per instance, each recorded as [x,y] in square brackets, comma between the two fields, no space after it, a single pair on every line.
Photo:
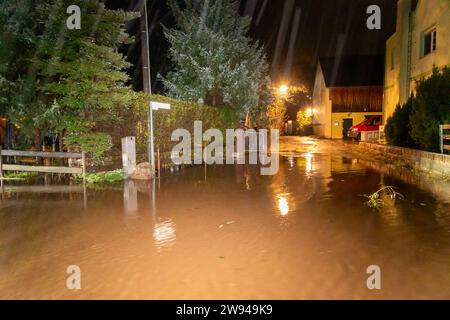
[129,155]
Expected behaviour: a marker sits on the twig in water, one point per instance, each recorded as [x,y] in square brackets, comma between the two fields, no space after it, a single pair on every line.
[375,200]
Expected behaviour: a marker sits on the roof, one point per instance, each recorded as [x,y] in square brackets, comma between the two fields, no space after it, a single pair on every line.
[352,71]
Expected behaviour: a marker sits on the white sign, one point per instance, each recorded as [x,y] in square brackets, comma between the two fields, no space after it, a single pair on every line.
[159,105]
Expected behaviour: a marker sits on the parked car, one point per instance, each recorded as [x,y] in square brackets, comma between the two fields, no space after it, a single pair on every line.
[372,123]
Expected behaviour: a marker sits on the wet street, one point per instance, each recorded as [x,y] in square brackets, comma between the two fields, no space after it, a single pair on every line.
[226,232]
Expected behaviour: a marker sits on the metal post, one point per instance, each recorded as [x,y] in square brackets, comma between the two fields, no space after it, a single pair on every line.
[151,150]
[83,166]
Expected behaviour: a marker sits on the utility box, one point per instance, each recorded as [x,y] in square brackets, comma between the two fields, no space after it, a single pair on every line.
[129,155]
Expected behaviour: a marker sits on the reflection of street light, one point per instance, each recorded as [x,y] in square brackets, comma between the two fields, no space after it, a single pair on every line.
[164,233]
[308,157]
[283,205]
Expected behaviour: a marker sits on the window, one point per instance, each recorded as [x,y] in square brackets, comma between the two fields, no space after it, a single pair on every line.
[373,121]
[429,42]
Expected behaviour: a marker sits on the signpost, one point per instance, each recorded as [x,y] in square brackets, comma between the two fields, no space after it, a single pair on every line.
[159,106]
[147,83]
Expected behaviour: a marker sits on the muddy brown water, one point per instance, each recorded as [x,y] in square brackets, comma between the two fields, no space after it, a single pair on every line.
[229,233]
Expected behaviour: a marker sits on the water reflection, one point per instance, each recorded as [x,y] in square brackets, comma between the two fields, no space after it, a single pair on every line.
[130,197]
[389,211]
[299,234]
[291,161]
[164,233]
[309,166]
[283,205]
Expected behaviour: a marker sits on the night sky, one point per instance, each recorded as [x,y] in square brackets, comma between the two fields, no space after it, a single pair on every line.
[324,28]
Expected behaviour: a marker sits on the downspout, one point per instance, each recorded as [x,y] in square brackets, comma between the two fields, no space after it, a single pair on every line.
[408,70]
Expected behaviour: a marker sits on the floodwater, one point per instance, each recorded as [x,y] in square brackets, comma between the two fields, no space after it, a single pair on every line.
[226,232]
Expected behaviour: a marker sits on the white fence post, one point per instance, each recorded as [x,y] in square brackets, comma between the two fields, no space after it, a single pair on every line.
[129,155]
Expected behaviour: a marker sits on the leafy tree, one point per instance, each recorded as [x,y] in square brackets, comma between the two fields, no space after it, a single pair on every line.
[398,127]
[304,122]
[277,114]
[214,61]
[53,78]
[430,108]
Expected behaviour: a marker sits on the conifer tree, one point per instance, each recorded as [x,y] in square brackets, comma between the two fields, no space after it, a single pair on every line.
[214,61]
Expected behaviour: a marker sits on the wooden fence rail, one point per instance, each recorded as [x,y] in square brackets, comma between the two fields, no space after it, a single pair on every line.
[444,137]
[45,169]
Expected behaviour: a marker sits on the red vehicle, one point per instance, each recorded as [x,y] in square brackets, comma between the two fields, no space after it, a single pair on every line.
[372,123]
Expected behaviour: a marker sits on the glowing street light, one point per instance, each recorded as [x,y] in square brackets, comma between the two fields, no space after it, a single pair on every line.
[283,89]
[310,111]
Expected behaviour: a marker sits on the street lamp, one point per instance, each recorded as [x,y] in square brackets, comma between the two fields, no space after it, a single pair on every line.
[283,89]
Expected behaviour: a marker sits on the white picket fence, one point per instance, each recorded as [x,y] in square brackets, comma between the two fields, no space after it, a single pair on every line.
[444,137]
[373,136]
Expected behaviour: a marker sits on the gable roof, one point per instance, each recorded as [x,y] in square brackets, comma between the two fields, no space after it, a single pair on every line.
[352,71]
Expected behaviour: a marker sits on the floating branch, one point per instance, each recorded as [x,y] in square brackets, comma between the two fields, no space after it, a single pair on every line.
[375,200]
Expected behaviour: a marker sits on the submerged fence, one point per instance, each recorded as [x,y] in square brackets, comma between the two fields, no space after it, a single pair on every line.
[39,168]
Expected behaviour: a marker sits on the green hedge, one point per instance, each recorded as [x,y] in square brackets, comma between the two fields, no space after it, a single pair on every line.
[398,126]
[182,116]
[431,107]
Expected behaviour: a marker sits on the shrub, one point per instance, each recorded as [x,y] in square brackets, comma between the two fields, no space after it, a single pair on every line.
[277,114]
[94,144]
[430,108]
[304,123]
[108,177]
[398,126]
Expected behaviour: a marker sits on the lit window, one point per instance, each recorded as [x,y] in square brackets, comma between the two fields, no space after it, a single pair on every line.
[429,42]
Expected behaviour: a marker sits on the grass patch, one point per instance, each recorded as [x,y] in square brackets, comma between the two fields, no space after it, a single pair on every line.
[108,177]
[13,175]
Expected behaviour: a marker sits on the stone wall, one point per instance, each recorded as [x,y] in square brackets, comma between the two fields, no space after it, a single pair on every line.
[421,160]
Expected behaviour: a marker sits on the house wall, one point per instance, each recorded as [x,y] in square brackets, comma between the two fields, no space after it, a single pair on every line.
[391,93]
[395,80]
[329,124]
[338,121]
[321,106]
[428,14]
